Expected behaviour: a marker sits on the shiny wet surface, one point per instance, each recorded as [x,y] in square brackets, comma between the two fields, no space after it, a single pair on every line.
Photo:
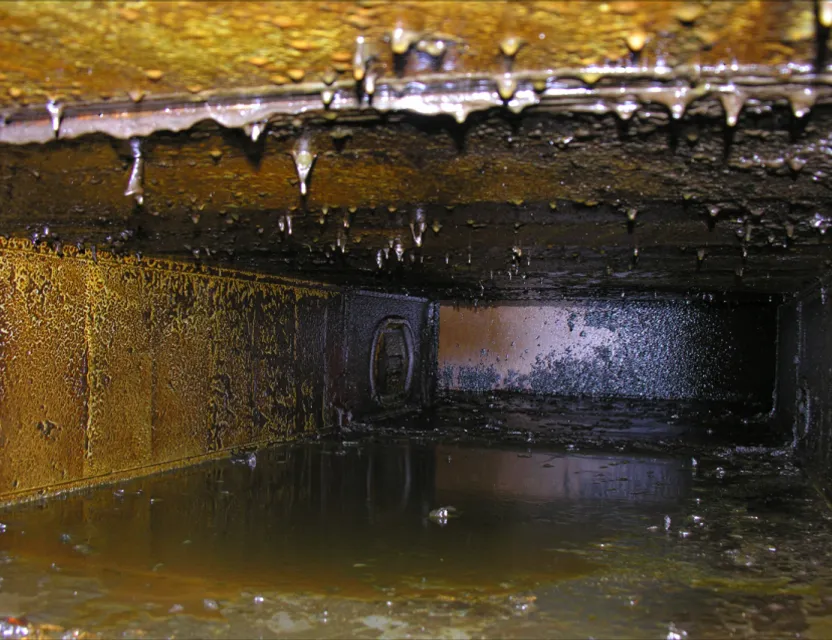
[343,538]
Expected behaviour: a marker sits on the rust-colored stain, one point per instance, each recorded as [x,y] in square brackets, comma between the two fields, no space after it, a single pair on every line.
[88,51]
[115,367]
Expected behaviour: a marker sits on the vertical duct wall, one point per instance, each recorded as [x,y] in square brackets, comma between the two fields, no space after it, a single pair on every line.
[662,349]
[804,400]
[116,367]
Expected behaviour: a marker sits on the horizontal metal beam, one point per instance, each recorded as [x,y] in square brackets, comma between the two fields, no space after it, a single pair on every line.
[622,90]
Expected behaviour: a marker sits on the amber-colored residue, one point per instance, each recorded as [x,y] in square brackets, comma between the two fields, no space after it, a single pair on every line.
[114,367]
[74,51]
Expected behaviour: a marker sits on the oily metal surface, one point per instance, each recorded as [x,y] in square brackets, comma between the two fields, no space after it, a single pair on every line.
[117,367]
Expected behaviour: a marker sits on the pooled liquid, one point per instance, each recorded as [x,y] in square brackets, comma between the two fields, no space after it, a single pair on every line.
[342,538]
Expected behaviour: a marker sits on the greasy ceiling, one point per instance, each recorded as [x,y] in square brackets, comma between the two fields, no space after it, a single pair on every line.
[495,148]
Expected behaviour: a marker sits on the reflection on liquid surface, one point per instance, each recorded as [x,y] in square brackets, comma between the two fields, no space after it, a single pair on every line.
[331,538]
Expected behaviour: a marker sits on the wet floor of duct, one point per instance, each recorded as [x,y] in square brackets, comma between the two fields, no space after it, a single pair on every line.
[462,524]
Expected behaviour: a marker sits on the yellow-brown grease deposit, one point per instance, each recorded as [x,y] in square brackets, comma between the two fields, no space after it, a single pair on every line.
[113,367]
[87,51]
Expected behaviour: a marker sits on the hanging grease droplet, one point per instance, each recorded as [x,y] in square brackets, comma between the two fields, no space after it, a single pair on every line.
[506,86]
[360,59]
[825,13]
[56,114]
[511,45]
[434,47]
[676,99]
[732,102]
[402,39]
[254,130]
[796,164]
[304,159]
[802,101]
[418,224]
[370,83]
[625,110]
[636,40]
[135,187]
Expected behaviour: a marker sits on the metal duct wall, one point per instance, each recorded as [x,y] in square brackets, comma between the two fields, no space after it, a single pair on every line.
[661,349]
